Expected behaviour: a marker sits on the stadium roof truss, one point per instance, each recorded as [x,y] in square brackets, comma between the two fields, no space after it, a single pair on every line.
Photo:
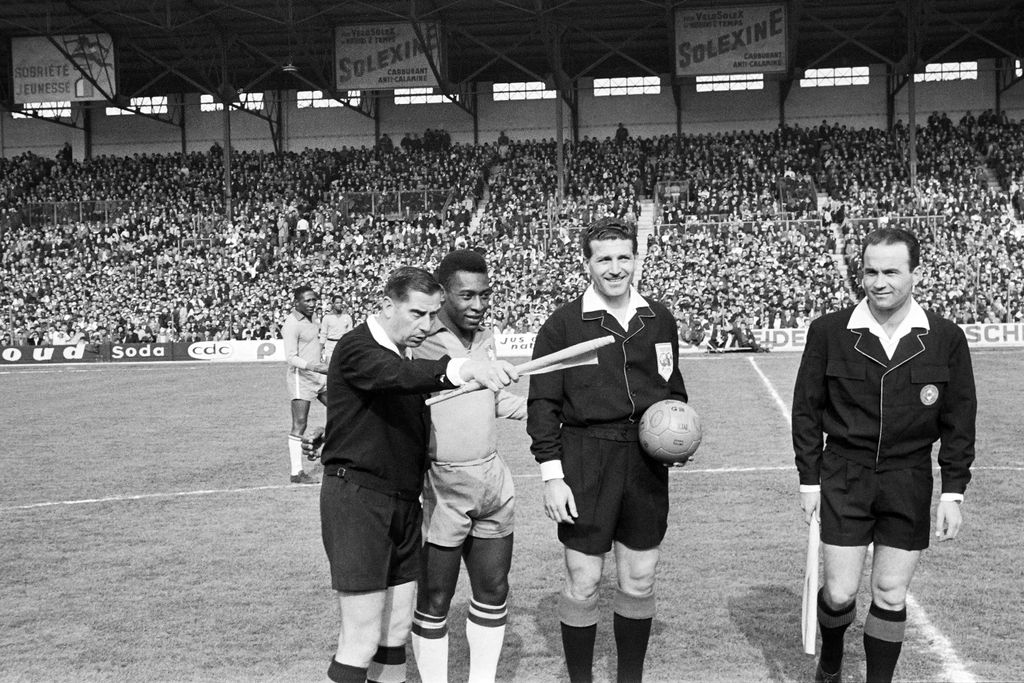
[223,47]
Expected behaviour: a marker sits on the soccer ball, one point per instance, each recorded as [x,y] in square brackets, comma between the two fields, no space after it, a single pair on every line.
[670,431]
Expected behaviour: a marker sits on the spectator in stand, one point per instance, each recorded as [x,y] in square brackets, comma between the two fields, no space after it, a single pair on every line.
[621,134]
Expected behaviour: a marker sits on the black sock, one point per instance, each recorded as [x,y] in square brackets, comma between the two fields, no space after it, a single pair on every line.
[578,644]
[631,637]
[344,673]
[883,641]
[833,625]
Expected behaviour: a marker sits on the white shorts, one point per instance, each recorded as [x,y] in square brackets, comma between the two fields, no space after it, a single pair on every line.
[329,350]
[460,499]
[305,385]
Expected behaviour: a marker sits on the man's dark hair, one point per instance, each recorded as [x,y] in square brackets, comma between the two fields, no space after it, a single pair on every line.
[409,279]
[894,236]
[465,260]
[300,290]
[607,228]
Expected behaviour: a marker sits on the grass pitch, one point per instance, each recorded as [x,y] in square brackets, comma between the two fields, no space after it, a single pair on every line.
[148,533]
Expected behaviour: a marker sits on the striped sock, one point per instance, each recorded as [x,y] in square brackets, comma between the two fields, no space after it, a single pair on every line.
[345,673]
[295,453]
[388,665]
[632,620]
[883,641]
[485,633]
[833,625]
[430,646]
[579,631]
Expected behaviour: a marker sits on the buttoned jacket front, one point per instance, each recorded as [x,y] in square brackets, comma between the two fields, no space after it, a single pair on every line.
[639,369]
[884,413]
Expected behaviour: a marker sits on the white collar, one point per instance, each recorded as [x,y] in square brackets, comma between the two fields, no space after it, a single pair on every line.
[379,335]
[862,318]
[592,301]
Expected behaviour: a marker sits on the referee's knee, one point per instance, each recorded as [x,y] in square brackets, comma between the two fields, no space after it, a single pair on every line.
[891,597]
[838,597]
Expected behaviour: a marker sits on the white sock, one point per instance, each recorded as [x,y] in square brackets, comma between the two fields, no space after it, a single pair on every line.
[485,633]
[295,453]
[430,646]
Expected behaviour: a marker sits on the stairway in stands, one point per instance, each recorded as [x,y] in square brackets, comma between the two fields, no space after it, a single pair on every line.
[481,206]
[644,229]
[995,187]
[992,180]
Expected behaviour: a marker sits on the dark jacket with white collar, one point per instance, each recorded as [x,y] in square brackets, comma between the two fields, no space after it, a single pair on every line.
[627,379]
[885,413]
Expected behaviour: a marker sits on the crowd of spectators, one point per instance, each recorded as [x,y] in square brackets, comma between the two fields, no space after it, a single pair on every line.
[758,273]
[157,263]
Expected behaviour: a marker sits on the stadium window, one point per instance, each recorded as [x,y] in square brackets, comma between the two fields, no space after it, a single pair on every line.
[826,78]
[948,71]
[419,96]
[315,99]
[141,105]
[1017,69]
[631,85]
[46,110]
[523,90]
[253,101]
[730,82]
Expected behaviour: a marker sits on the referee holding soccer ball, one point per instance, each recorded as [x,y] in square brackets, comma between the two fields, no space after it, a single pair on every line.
[884,380]
[598,484]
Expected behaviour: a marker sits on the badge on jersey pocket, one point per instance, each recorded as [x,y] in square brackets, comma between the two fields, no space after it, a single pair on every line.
[665,361]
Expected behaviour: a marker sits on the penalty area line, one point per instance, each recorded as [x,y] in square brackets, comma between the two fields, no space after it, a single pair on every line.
[147,496]
[953,668]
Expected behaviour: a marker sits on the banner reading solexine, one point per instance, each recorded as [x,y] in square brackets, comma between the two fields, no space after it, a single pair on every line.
[385,56]
[731,40]
[59,70]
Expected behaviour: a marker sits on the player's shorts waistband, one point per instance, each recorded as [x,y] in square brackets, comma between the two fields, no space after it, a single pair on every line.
[621,431]
[371,482]
[464,463]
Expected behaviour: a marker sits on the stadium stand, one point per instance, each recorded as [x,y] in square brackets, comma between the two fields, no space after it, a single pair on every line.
[752,228]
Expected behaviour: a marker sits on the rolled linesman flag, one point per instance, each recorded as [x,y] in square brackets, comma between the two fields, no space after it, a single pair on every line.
[584,353]
[809,616]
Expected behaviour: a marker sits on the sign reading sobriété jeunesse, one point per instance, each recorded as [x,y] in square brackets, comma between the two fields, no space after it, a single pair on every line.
[63,69]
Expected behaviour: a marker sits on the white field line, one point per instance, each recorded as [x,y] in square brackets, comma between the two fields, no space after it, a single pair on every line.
[780,404]
[276,487]
[953,668]
[147,496]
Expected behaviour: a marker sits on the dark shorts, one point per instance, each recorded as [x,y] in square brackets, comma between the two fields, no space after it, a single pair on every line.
[620,493]
[860,506]
[372,539]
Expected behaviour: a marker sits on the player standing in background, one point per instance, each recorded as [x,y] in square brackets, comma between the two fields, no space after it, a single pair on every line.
[336,323]
[468,492]
[598,484]
[306,372]
[884,380]
[374,457]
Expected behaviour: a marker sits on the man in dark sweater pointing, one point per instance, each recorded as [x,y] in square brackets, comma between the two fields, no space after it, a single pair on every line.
[374,457]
